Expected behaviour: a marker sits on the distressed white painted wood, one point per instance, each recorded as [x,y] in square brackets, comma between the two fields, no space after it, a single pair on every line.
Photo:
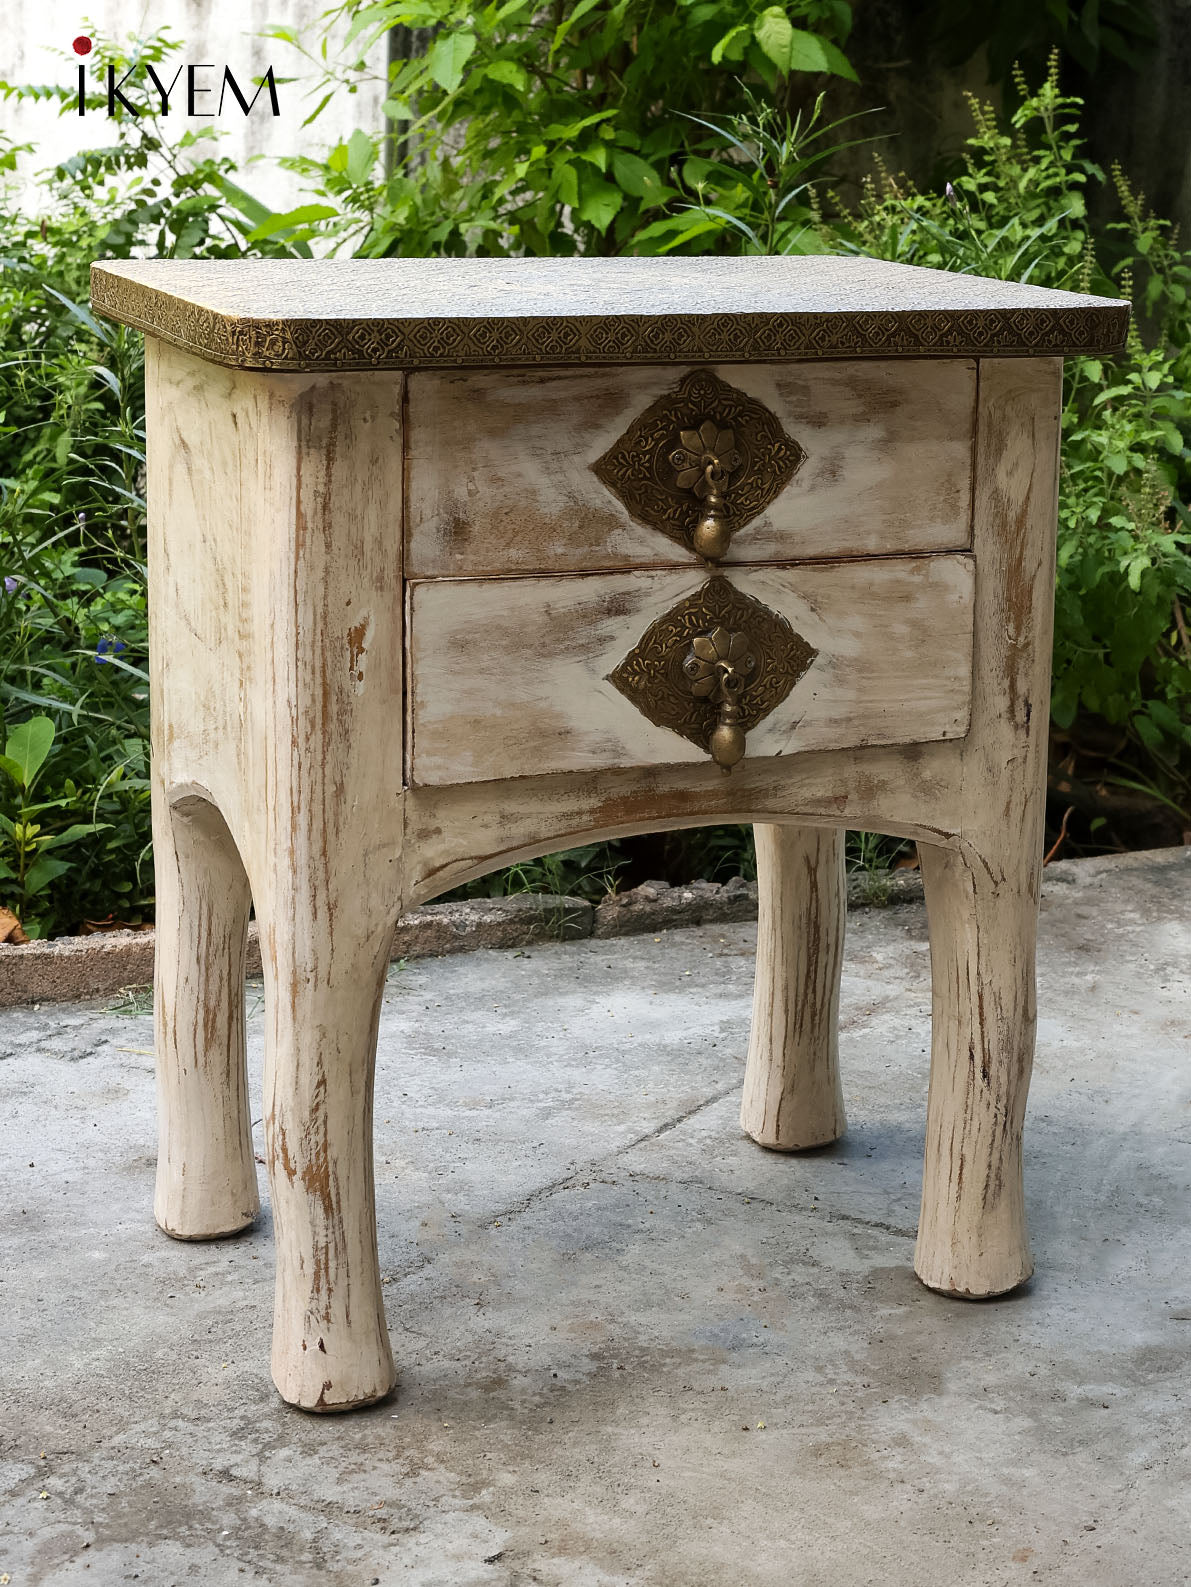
[500,478]
[276,595]
[510,676]
[454,835]
[982,894]
[792,1093]
[281,624]
[206,1172]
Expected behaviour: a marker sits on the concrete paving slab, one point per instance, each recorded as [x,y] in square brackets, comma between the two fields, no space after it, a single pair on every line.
[634,1347]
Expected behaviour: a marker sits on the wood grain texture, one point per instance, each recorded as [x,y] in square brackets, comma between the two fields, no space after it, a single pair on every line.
[982,894]
[276,596]
[206,1170]
[500,480]
[510,677]
[792,1093]
[453,835]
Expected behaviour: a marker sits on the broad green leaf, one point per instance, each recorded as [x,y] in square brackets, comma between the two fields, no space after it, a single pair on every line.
[361,157]
[567,182]
[367,18]
[304,215]
[635,175]
[732,46]
[508,72]
[28,745]
[447,57]
[1065,702]
[793,49]
[774,32]
[72,835]
[42,872]
[1167,719]
[599,203]
[571,129]
[565,26]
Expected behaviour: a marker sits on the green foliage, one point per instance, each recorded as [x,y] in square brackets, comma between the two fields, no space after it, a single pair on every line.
[525,128]
[72,511]
[586,872]
[600,126]
[754,194]
[30,853]
[1018,211]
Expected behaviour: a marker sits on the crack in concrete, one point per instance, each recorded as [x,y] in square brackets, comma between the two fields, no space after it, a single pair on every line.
[591,1170]
[398,1275]
[779,1206]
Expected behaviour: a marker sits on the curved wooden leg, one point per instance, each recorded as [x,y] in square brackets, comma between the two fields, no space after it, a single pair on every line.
[792,1095]
[323,990]
[972,1237]
[206,1174]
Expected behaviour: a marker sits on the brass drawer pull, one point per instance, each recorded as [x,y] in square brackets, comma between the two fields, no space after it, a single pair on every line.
[702,464]
[682,450]
[714,666]
[717,665]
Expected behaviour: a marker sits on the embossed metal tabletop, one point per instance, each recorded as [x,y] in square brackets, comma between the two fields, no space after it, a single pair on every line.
[324,314]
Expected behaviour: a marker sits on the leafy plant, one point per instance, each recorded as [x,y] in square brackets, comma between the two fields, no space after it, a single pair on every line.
[540,129]
[27,859]
[598,126]
[756,196]
[1017,210]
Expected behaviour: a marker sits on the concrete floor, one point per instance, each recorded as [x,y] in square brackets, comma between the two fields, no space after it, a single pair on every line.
[634,1347]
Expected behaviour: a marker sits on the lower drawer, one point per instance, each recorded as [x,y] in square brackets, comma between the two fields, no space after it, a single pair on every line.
[515,677]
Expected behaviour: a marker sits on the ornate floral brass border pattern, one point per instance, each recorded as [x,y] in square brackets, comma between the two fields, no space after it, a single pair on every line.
[641,471]
[296,345]
[652,675]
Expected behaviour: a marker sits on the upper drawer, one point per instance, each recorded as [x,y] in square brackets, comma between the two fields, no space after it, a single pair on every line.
[500,480]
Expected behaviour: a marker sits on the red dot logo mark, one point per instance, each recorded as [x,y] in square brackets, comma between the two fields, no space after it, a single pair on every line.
[82,45]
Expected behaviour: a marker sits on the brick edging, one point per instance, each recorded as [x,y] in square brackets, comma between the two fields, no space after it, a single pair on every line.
[72,969]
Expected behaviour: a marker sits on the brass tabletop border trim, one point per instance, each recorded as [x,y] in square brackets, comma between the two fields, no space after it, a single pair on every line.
[302,346]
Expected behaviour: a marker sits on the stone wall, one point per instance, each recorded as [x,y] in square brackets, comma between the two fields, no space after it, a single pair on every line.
[38,41]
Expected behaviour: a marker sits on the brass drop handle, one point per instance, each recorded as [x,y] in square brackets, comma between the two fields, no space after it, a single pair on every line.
[702,461]
[712,534]
[717,667]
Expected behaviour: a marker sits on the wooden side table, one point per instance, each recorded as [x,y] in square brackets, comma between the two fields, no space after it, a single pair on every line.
[456,562]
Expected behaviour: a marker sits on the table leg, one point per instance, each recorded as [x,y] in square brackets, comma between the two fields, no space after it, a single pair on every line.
[206,1173]
[972,1236]
[324,981]
[792,1095]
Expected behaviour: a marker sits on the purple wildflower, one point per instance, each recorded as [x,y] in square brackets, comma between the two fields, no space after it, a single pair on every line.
[108,647]
[10,584]
[952,196]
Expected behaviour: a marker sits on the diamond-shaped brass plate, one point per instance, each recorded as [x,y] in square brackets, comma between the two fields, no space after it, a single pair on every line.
[643,467]
[651,676]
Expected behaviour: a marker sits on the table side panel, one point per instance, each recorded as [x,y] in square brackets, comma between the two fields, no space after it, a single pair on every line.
[499,476]
[509,677]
